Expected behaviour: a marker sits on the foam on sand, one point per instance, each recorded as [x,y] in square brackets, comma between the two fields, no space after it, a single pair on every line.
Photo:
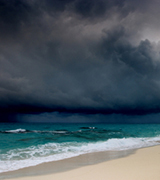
[142,165]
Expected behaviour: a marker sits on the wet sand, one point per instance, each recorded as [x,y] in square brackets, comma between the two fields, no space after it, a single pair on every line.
[143,164]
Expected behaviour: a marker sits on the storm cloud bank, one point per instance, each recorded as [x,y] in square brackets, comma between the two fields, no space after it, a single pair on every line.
[80,56]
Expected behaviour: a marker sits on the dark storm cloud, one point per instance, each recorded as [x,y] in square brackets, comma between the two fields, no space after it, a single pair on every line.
[79,56]
[13,13]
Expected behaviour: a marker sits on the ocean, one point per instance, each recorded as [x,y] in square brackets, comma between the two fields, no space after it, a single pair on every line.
[23,145]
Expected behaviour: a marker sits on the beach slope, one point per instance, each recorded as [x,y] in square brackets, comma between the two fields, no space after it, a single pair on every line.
[144,164]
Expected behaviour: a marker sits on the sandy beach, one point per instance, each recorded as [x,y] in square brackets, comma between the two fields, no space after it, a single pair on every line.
[143,164]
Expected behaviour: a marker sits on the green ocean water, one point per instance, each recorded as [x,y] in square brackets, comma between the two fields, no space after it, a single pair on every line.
[27,144]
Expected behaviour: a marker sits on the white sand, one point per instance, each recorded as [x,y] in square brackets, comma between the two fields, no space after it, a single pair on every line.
[143,165]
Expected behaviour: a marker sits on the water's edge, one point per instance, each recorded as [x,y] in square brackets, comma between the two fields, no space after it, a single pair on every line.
[67,164]
[28,150]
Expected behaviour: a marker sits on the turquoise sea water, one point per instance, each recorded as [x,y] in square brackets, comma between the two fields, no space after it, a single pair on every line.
[23,145]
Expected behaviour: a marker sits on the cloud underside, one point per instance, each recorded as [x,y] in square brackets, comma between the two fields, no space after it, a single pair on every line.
[80,56]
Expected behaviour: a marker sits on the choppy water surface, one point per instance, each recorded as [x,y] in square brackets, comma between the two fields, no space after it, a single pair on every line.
[24,145]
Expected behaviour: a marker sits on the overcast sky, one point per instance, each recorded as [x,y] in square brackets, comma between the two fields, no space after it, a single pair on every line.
[80,56]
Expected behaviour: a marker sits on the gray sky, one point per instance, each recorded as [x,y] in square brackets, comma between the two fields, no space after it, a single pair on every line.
[83,56]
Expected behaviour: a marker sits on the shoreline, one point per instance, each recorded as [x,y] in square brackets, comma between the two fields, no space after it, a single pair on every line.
[66,164]
[140,164]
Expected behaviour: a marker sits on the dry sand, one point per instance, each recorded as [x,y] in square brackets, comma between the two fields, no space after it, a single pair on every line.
[144,164]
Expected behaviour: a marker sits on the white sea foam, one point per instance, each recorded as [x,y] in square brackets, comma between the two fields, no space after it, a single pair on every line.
[16,131]
[20,158]
[32,131]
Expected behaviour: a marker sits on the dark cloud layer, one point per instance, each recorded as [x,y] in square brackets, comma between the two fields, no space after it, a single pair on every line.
[79,56]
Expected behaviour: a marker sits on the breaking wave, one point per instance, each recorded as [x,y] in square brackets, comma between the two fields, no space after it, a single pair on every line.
[34,155]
